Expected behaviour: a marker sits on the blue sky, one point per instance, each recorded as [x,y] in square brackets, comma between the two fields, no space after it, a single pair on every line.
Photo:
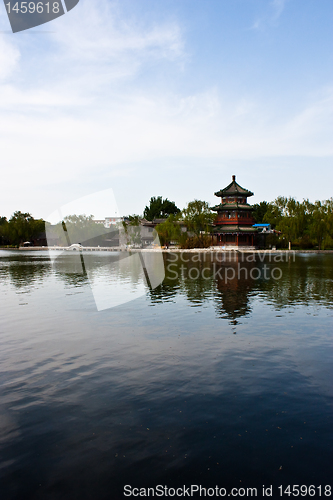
[170,98]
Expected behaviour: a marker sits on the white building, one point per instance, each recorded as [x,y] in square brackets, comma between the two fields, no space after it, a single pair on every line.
[109,221]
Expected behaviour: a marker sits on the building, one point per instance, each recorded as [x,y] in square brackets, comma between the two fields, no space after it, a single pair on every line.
[109,221]
[234,220]
[147,231]
[112,221]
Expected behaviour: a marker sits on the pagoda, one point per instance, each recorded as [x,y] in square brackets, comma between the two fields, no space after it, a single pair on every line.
[234,221]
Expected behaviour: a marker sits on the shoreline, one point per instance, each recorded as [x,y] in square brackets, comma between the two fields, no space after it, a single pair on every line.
[168,250]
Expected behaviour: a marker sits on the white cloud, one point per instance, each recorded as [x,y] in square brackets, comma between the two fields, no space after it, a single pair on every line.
[256,25]
[273,13]
[146,127]
[9,58]
[312,127]
[278,7]
[99,36]
[81,109]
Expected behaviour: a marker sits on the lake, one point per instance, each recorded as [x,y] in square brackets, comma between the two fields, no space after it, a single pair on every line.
[220,376]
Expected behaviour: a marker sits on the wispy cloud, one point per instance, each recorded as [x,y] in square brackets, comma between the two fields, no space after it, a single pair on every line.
[84,106]
[278,7]
[9,58]
[256,25]
[101,37]
[270,17]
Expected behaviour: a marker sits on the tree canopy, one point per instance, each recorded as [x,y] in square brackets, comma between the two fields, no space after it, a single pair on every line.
[160,209]
[259,211]
[21,227]
[198,217]
[132,230]
[169,230]
[302,223]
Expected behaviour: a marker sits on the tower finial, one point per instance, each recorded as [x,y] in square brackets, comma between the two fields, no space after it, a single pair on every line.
[233,178]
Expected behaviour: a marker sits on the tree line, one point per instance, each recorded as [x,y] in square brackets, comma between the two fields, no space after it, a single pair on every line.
[20,228]
[302,224]
[297,224]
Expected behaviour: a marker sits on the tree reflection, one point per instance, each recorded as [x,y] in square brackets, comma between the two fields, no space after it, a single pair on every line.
[22,271]
[231,283]
[307,280]
[233,280]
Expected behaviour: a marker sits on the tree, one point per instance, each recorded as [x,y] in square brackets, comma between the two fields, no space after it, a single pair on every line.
[295,217]
[303,223]
[169,230]
[321,224]
[198,218]
[3,230]
[259,211]
[273,215]
[23,227]
[160,209]
[132,229]
[79,229]
[328,240]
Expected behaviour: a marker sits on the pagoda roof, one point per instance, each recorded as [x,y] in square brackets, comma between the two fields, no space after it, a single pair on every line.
[233,189]
[232,206]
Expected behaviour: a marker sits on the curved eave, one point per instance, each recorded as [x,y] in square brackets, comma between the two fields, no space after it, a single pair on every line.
[222,193]
[231,206]
[234,189]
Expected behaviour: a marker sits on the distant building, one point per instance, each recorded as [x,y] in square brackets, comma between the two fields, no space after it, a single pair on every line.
[147,231]
[234,220]
[112,221]
[109,221]
[263,228]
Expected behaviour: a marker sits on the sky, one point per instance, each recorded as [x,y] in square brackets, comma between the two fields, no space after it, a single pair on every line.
[166,98]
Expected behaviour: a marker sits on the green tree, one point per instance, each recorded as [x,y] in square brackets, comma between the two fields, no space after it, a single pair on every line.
[321,222]
[160,209]
[273,215]
[23,227]
[288,216]
[3,230]
[169,230]
[287,223]
[328,240]
[79,229]
[198,219]
[259,211]
[132,229]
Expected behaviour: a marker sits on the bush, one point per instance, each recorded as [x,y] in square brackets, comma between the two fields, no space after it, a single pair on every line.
[305,243]
[188,242]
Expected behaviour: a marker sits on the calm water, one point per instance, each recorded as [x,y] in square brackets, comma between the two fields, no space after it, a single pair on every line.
[201,381]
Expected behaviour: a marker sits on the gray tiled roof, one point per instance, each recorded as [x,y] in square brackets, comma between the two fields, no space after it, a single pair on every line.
[233,188]
[232,206]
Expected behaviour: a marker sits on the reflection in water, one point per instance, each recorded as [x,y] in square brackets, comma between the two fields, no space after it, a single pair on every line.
[232,280]
[23,271]
[229,280]
[157,390]
[306,281]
